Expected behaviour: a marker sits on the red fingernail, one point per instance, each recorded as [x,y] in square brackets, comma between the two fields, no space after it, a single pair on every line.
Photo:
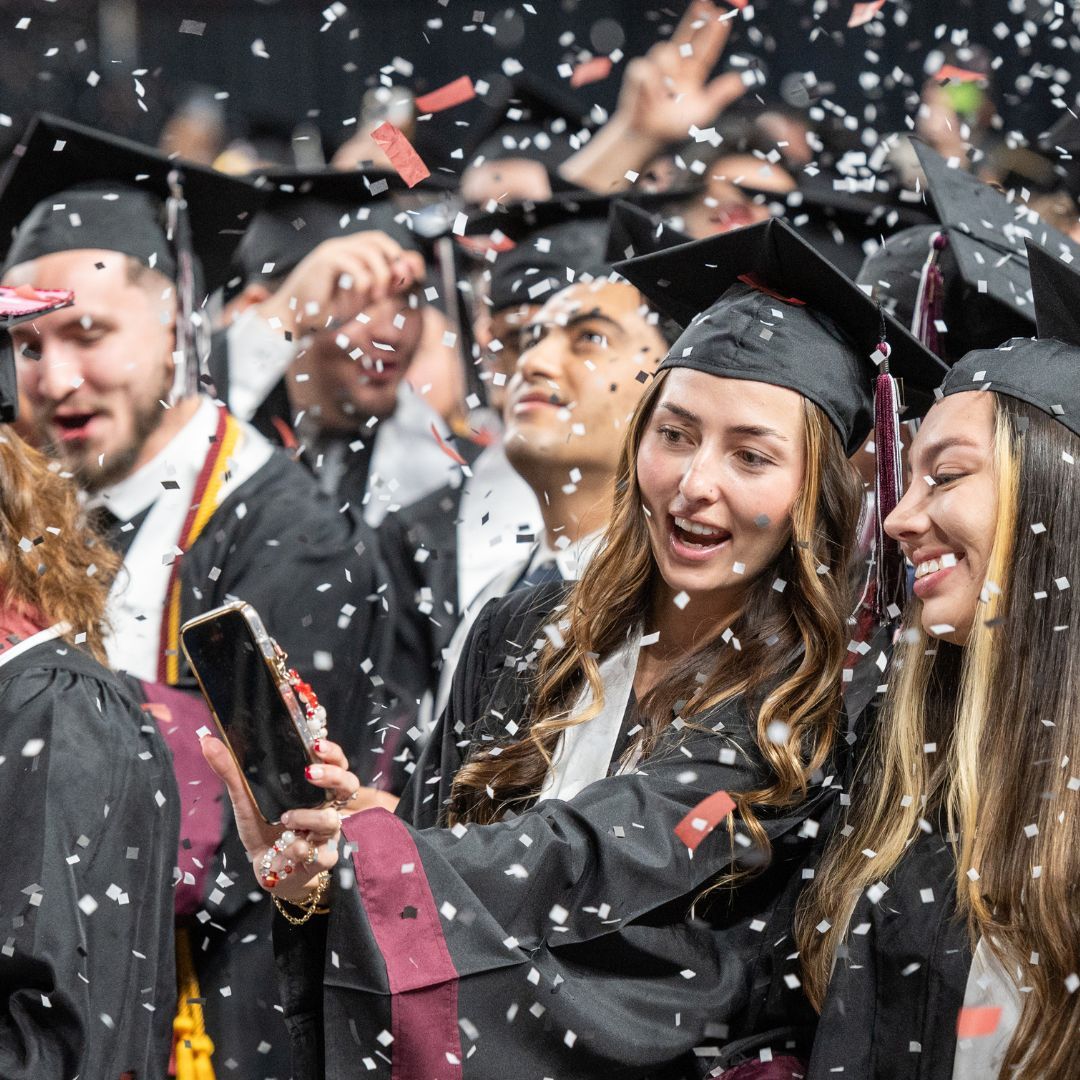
[307,771]
[318,746]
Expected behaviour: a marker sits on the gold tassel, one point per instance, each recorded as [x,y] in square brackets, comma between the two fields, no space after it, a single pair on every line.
[192,1047]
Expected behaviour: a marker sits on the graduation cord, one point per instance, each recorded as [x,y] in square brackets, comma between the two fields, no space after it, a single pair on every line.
[192,1047]
[203,503]
[890,566]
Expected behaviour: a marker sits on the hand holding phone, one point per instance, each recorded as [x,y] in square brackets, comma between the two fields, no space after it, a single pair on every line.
[242,674]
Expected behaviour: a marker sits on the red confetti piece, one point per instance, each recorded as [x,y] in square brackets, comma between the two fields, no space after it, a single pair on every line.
[446,97]
[740,4]
[863,13]
[408,163]
[701,821]
[599,67]
[446,448]
[948,71]
[977,1020]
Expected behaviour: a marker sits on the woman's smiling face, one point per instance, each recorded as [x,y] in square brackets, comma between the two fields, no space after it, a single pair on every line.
[946,520]
[719,468]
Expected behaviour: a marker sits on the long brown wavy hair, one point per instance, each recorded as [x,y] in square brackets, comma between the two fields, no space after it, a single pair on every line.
[1004,710]
[53,567]
[788,664]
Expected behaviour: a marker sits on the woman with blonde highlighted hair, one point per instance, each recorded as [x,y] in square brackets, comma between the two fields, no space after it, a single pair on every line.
[594,867]
[941,934]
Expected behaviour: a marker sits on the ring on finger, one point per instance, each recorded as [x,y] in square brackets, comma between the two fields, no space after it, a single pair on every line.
[312,855]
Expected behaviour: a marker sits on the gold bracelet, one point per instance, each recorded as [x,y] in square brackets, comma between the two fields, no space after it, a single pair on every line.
[310,906]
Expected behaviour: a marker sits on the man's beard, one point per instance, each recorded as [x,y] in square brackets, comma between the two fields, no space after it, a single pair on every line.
[91,476]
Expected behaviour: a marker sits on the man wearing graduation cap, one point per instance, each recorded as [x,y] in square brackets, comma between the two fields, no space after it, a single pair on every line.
[334,312]
[963,283]
[200,505]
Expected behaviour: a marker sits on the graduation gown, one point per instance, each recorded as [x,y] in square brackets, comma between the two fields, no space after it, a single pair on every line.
[898,986]
[91,812]
[564,942]
[313,575]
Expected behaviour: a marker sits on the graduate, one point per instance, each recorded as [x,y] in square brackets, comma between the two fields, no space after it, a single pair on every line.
[461,546]
[329,320]
[553,898]
[87,794]
[201,507]
[945,910]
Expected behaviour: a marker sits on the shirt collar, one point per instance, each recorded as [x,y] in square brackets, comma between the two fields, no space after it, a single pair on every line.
[570,559]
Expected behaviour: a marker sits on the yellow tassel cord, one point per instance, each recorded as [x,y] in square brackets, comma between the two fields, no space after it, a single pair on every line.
[192,1047]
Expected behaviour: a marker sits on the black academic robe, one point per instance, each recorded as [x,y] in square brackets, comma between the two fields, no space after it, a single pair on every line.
[420,545]
[91,814]
[564,942]
[313,575]
[898,984]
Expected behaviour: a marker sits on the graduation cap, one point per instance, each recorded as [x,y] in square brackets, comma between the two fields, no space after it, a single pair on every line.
[1043,371]
[841,223]
[970,275]
[18,306]
[304,208]
[533,120]
[1062,143]
[71,187]
[555,242]
[633,230]
[760,303]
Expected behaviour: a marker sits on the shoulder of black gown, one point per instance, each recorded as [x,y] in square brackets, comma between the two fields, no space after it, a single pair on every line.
[87,792]
[313,573]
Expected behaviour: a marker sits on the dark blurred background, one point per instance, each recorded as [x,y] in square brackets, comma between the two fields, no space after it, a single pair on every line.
[271,65]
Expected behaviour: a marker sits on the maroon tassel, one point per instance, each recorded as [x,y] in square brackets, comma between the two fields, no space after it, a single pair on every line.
[891,578]
[930,301]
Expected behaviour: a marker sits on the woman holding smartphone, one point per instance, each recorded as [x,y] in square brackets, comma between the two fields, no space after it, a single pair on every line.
[571,894]
[947,913]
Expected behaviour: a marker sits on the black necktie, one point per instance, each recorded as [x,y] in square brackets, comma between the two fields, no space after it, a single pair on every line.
[119,535]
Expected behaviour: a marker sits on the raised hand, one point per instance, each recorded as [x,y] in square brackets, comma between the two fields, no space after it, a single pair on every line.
[339,278]
[667,90]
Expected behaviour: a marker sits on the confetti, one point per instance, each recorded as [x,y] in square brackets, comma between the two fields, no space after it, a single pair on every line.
[446,448]
[704,817]
[863,13]
[399,150]
[446,97]
[975,1021]
[591,71]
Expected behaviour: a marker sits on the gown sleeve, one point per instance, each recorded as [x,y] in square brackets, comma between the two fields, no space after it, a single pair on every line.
[91,813]
[564,942]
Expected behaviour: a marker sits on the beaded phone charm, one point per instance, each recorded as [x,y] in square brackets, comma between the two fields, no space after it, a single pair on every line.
[315,715]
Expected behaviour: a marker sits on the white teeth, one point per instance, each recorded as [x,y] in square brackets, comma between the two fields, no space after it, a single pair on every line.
[932,566]
[696,529]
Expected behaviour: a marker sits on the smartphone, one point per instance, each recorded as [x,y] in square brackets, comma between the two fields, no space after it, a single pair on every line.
[242,674]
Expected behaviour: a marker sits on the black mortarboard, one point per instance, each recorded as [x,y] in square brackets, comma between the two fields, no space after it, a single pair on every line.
[16,306]
[70,187]
[1043,371]
[531,119]
[760,303]
[633,230]
[984,295]
[1062,144]
[555,241]
[840,224]
[304,208]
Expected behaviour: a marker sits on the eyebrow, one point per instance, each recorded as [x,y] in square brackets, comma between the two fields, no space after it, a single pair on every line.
[575,321]
[753,430]
[947,442]
[684,414]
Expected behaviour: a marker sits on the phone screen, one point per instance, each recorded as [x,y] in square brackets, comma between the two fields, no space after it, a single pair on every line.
[243,693]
